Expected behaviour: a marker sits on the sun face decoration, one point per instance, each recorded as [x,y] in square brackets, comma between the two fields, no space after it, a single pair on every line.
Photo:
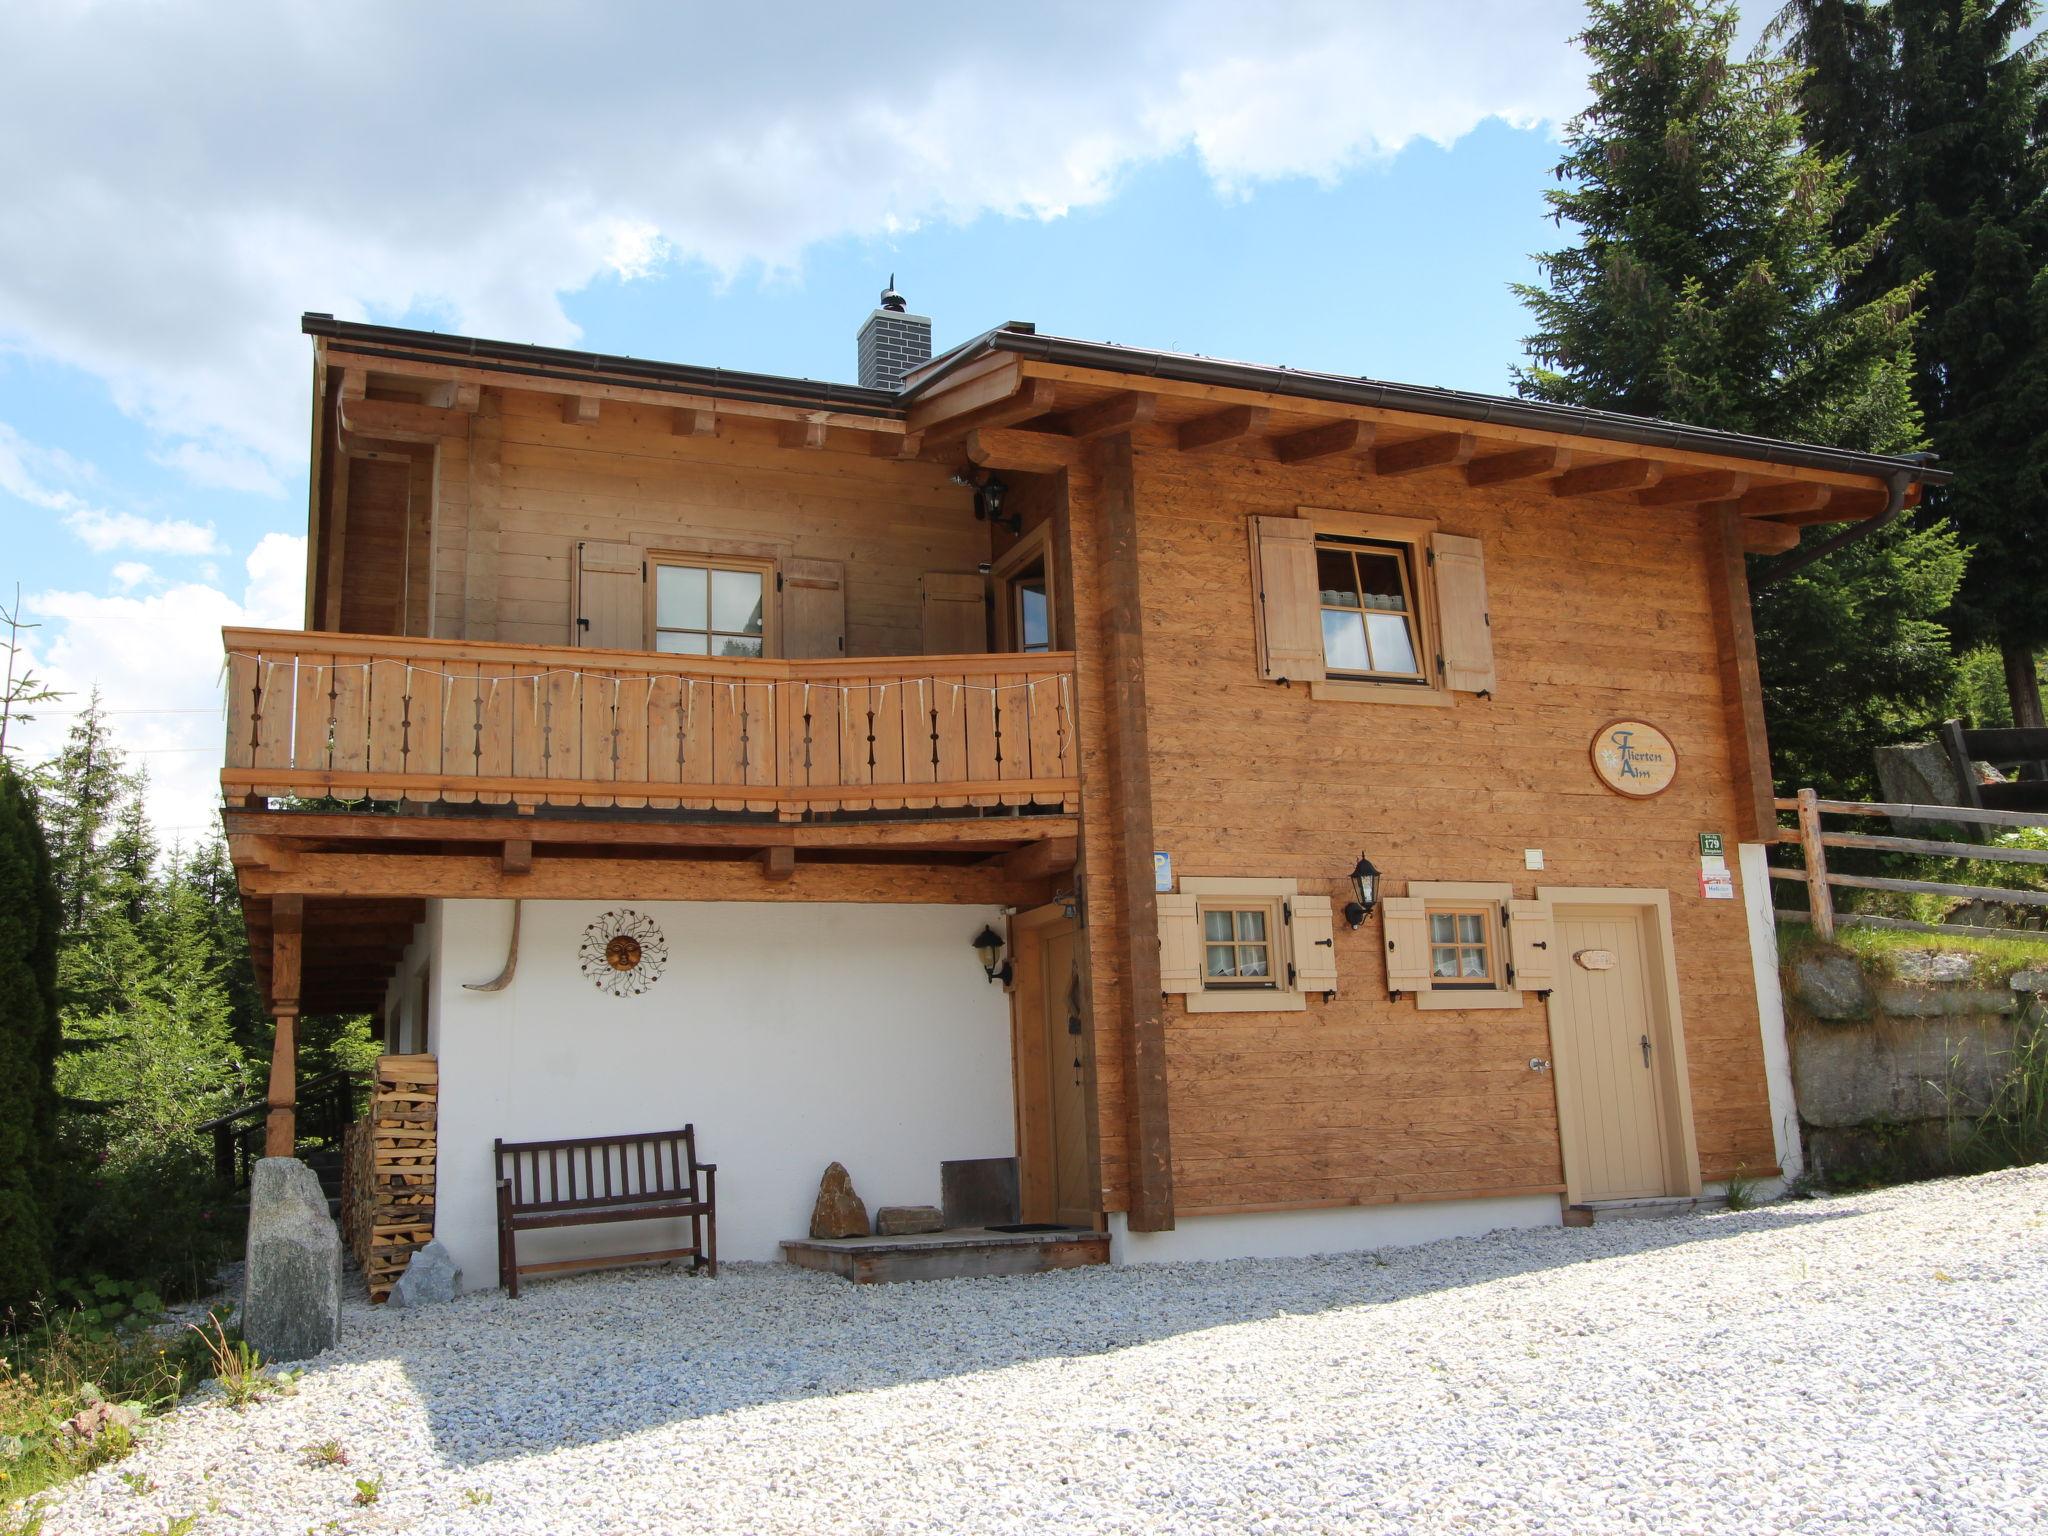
[623,953]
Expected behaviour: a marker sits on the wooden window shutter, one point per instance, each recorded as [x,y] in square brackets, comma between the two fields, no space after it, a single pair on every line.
[610,614]
[813,608]
[1532,945]
[1290,610]
[1461,607]
[1180,944]
[954,614]
[1407,933]
[1315,945]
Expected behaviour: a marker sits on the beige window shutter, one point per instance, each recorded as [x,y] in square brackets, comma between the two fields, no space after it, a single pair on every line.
[954,613]
[1180,944]
[1460,567]
[1315,945]
[610,603]
[813,608]
[1289,609]
[1407,933]
[1532,945]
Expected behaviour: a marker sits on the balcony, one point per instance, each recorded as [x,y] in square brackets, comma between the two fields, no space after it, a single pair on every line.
[426,722]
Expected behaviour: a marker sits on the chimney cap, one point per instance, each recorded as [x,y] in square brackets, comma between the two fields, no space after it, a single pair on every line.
[893,301]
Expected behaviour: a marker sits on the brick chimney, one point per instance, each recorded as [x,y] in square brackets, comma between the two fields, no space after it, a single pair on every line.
[892,342]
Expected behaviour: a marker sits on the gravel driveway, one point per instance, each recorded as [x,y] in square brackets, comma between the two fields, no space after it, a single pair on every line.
[1866,1363]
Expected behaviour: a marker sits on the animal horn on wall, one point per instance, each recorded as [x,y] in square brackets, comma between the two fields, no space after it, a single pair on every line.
[504,978]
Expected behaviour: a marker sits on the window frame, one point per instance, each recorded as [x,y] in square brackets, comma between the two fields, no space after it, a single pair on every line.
[1277,929]
[704,560]
[1243,894]
[1488,945]
[1033,547]
[1443,897]
[1414,537]
[1403,556]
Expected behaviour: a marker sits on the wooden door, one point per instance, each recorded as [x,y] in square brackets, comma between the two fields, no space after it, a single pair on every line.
[1609,1036]
[1066,1060]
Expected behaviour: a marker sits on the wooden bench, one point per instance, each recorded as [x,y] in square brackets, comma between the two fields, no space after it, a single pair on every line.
[2026,746]
[605,1178]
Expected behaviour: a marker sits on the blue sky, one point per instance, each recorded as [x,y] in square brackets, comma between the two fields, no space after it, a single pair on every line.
[1354,191]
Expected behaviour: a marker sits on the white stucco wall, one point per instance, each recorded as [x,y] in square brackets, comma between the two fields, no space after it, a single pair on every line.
[1334,1229]
[790,1033]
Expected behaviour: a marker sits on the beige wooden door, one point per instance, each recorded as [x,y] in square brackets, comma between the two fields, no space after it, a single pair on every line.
[1066,1046]
[1608,1032]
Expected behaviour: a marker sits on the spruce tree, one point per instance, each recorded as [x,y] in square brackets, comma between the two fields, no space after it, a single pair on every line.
[28,1046]
[1937,107]
[1707,284]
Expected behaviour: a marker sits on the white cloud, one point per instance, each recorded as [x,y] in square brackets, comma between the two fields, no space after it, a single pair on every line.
[183,180]
[108,531]
[130,574]
[156,659]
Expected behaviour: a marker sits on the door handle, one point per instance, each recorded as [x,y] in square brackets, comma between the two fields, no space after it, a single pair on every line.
[1646,1052]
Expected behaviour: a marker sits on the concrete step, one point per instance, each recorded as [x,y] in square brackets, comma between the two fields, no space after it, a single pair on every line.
[1655,1208]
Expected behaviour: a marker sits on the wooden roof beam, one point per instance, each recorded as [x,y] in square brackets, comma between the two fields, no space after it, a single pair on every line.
[1681,490]
[401,421]
[804,434]
[694,421]
[1518,464]
[895,445]
[1325,441]
[1039,453]
[1763,537]
[1616,475]
[580,410]
[1440,450]
[1220,427]
[1117,413]
[1792,496]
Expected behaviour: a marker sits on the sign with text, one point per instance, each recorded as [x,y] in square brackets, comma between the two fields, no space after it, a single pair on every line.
[1634,758]
[1162,872]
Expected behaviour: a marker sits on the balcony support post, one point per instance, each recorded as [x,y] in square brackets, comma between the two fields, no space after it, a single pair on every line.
[287,937]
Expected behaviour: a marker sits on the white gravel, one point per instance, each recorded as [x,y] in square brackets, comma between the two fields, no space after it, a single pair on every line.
[1868,1363]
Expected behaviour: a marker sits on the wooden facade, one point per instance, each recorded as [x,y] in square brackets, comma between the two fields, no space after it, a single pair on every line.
[501,723]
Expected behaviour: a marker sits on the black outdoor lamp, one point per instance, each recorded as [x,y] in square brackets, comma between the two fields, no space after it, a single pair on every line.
[989,945]
[1365,881]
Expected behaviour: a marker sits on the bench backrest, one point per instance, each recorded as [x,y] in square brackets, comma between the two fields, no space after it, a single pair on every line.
[596,1171]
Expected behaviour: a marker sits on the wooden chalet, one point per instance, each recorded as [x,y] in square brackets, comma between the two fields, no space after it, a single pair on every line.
[662,739]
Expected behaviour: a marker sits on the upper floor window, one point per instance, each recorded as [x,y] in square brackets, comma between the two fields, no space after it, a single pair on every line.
[1237,945]
[1369,606]
[1369,610]
[710,608]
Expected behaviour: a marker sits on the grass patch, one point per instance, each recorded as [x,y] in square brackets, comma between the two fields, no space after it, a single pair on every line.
[1992,961]
[73,1393]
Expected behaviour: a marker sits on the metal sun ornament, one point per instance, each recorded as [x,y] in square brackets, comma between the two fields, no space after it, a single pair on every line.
[623,953]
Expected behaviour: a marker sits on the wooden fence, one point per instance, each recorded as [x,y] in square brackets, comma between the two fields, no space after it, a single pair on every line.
[360,717]
[1821,882]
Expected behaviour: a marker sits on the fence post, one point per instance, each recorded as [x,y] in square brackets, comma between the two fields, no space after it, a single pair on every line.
[1820,900]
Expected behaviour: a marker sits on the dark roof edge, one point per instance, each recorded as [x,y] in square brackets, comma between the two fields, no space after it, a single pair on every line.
[561,363]
[1457,405]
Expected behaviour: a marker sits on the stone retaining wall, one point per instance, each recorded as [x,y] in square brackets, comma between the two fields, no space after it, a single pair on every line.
[1883,1067]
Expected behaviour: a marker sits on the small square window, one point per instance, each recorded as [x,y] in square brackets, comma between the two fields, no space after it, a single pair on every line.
[1237,947]
[1462,951]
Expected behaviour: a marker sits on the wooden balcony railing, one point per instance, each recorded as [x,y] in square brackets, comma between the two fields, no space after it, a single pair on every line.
[359,717]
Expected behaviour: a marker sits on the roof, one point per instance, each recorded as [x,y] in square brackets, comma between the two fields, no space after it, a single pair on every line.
[1133,362]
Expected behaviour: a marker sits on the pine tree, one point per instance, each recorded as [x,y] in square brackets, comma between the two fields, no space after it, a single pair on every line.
[100,847]
[1707,284]
[28,1046]
[1938,108]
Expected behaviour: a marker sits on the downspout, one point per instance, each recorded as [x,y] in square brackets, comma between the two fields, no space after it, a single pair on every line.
[1901,481]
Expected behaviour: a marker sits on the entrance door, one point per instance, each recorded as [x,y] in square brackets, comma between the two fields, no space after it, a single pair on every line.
[1066,1046]
[1610,1035]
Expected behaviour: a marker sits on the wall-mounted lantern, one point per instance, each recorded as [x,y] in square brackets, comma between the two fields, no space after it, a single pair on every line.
[989,495]
[1365,886]
[989,945]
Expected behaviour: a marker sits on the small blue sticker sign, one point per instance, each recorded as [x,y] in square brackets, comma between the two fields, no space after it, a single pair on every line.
[1162,872]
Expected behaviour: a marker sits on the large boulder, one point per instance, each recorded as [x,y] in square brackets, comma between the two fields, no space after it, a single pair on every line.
[1831,986]
[839,1211]
[1920,773]
[291,1290]
[431,1275]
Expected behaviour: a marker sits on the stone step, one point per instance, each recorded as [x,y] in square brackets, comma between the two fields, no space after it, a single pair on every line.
[1654,1208]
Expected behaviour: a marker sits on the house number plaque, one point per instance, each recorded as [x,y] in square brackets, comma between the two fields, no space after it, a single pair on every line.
[1634,758]
[1595,959]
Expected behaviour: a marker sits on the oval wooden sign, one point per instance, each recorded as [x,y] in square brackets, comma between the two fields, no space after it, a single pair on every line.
[1634,758]
[1595,959]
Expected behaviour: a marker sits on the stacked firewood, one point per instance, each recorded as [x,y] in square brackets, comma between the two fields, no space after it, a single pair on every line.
[387,1207]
